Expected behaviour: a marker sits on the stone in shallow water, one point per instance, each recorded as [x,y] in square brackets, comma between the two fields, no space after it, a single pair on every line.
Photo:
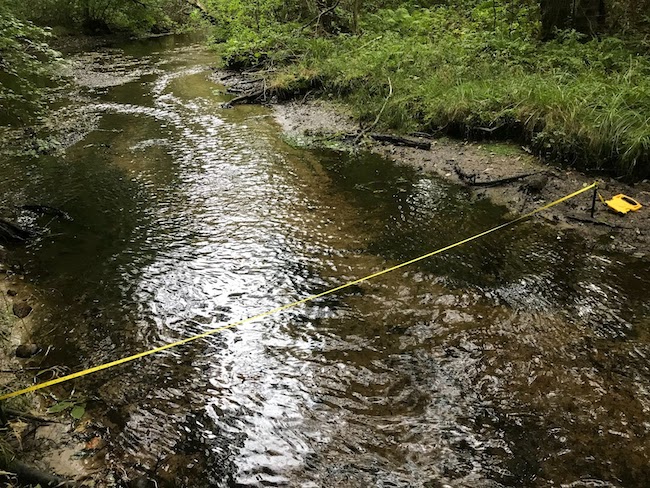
[455,317]
[27,350]
[21,310]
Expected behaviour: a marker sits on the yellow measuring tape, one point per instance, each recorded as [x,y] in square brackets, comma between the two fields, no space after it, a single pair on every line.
[155,350]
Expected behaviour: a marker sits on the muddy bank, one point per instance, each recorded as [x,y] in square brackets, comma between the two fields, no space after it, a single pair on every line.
[321,122]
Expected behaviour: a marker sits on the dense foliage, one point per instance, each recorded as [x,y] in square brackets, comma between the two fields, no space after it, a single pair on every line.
[24,61]
[105,16]
[476,69]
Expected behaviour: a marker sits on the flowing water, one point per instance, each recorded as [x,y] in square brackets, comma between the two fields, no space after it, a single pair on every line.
[521,359]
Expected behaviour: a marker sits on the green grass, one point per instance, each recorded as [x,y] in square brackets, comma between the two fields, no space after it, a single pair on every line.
[501,149]
[578,102]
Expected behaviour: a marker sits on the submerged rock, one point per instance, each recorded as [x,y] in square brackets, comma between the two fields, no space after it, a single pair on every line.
[143,482]
[21,309]
[25,351]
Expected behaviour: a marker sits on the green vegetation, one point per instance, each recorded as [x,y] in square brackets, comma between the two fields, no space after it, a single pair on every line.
[24,62]
[76,408]
[105,16]
[477,69]
[568,79]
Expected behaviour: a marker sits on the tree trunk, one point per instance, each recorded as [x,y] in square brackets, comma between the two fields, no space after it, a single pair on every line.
[556,14]
[589,16]
[356,8]
[585,16]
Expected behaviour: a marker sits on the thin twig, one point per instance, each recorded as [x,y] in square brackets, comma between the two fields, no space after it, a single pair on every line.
[319,16]
[28,416]
[383,107]
[304,99]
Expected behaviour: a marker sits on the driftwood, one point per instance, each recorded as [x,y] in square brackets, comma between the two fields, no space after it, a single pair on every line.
[470,179]
[598,222]
[401,141]
[250,97]
[389,138]
[13,233]
[29,475]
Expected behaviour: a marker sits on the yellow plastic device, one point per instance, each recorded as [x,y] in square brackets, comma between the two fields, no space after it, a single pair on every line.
[623,204]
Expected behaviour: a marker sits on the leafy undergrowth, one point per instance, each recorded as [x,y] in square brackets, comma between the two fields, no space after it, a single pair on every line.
[580,102]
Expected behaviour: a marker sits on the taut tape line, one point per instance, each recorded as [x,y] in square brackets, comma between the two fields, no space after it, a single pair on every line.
[281,308]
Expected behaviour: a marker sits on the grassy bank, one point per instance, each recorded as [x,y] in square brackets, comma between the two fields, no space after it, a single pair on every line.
[467,72]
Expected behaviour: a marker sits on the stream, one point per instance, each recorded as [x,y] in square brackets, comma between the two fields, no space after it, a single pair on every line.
[520,359]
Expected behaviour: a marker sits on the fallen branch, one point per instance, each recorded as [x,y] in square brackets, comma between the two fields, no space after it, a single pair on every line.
[10,232]
[10,412]
[490,130]
[32,476]
[381,111]
[383,107]
[320,16]
[402,141]
[596,222]
[353,137]
[46,210]
[250,97]
[470,179]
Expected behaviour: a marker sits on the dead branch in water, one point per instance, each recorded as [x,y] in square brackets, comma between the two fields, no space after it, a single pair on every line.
[10,232]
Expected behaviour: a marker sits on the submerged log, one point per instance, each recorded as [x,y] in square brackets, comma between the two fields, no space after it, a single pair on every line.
[29,475]
[13,233]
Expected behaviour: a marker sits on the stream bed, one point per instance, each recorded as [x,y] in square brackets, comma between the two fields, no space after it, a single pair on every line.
[521,359]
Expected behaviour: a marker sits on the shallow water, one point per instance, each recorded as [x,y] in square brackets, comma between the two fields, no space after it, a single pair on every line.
[517,360]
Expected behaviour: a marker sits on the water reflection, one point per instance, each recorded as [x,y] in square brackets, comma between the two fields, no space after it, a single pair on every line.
[517,360]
